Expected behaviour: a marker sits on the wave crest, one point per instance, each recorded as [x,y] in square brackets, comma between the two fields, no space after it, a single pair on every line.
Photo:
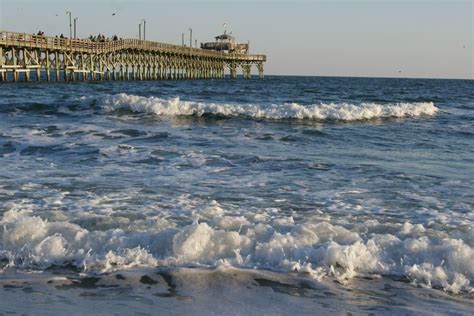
[323,111]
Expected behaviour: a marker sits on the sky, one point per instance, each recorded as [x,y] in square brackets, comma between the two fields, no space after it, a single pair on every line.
[384,38]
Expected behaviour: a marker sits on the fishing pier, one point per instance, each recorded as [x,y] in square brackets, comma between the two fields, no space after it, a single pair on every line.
[26,57]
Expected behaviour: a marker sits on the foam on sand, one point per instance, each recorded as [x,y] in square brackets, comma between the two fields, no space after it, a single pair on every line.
[323,111]
[319,248]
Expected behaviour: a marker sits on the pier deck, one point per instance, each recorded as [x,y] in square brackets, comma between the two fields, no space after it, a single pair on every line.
[25,57]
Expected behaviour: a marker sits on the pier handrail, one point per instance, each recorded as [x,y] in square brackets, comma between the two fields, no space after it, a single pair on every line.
[87,46]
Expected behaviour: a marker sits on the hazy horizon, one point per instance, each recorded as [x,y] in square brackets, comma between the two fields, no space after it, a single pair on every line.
[391,39]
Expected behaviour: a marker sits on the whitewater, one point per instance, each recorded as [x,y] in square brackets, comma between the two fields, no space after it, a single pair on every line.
[332,111]
[285,195]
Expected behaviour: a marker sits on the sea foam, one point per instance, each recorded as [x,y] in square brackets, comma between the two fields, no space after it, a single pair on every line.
[323,111]
[318,248]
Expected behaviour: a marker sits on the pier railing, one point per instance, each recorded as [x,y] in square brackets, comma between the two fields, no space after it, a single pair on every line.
[24,40]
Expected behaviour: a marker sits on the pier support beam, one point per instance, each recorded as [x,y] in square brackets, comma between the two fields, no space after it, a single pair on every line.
[15,59]
[246,68]
[48,66]
[2,70]
[38,62]
[260,70]
[233,71]
[56,65]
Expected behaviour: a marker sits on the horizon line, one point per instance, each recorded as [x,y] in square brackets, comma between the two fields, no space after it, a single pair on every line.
[365,76]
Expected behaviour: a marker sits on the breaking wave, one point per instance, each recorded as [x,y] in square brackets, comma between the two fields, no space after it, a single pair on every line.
[317,248]
[323,111]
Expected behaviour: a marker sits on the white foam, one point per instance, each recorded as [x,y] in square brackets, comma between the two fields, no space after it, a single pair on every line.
[323,111]
[319,248]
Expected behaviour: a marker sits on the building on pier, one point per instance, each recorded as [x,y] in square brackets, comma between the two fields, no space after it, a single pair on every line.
[226,43]
[26,57]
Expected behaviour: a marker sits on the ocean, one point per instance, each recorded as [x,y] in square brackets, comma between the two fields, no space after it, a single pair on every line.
[287,195]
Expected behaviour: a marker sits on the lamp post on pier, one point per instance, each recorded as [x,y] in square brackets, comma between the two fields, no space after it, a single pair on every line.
[70,23]
[190,37]
[143,21]
[75,26]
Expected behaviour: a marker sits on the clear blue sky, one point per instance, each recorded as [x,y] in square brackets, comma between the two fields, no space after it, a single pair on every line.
[428,38]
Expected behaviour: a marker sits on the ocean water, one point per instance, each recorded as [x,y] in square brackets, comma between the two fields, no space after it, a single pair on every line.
[284,195]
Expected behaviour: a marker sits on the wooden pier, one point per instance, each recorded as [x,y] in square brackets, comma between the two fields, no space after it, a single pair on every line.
[26,57]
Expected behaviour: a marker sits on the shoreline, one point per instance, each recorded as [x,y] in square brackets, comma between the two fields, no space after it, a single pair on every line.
[224,290]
